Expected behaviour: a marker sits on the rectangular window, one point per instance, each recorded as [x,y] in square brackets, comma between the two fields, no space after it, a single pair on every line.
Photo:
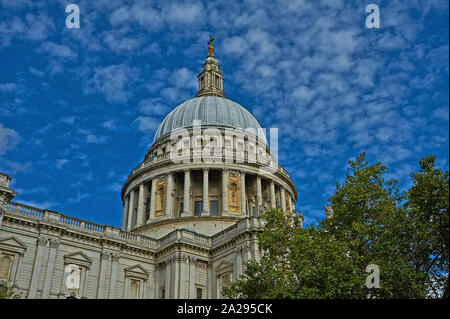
[214,208]
[181,209]
[199,293]
[147,208]
[198,142]
[198,208]
[6,262]
[163,293]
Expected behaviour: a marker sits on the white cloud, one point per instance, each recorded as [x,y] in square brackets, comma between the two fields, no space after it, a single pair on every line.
[110,124]
[92,138]
[183,13]
[121,43]
[9,138]
[9,87]
[15,167]
[69,119]
[153,106]
[441,113]
[41,205]
[146,123]
[113,81]
[61,51]
[61,162]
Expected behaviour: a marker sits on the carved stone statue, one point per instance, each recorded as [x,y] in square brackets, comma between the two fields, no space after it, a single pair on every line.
[210,46]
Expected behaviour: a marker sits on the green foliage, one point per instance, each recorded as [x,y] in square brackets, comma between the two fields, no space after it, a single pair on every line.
[297,263]
[7,292]
[373,222]
[428,207]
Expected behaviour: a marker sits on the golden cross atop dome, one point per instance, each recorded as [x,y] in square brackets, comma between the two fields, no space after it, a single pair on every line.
[210,46]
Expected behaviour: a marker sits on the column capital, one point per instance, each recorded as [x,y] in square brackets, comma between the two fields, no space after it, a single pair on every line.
[53,243]
[115,257]
[42,241]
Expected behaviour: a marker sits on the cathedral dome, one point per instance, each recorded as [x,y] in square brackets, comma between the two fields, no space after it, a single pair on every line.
[210,110]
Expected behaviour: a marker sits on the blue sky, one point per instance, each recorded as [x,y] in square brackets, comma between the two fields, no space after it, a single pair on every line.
[79,107]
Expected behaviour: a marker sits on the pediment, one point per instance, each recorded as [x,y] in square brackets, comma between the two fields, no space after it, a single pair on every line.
[136,269]
[12,243]
[79,257]
[224,266]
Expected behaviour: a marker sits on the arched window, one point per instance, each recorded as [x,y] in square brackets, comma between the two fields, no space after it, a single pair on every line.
[5,266]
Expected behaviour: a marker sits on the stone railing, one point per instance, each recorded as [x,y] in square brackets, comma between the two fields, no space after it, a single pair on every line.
[225,156]
[248,223]
[179,235]
[138,239]
[184,235]
[80,224]
[55,217]
[25,210]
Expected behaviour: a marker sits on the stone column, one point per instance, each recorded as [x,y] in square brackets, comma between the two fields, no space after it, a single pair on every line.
[152,200]
[113,279]
[291,203]
[102,280]
[238,254]
[125,212]
[169,209]
[167,285]
[224,192]
[41,243]
[50,267]
[186,200]
[192,291]
[273,203]
[243,201]
[210,282]
[141,206]
[184,268]
[283,199]
[205,192]
[130,210]
[258,194]
[176,277]
[257,256]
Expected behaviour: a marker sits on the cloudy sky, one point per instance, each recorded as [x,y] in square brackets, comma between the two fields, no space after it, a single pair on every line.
[79,107]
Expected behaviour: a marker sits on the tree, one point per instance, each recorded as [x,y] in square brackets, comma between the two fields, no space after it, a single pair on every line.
[404,233]
[428,206]
[297,263]
[369,216]
[8,291]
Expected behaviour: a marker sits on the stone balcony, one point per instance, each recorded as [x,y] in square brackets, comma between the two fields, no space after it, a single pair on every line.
[186,236]
[225,156]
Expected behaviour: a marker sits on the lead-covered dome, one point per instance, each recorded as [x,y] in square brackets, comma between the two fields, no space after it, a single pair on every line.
[210,110]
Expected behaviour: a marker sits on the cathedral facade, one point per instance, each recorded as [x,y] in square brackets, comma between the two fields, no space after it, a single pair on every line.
[190,213]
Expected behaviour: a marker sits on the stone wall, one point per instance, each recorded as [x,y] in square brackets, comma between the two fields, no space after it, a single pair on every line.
[112,263]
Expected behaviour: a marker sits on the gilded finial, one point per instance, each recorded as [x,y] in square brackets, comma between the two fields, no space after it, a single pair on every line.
[210,46]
